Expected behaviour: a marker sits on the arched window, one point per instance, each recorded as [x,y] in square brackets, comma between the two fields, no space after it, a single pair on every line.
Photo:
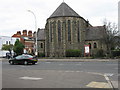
[69,30]
[41,45]
[6,42]
[59,31]
[95,45]
[78,31]
[90,45]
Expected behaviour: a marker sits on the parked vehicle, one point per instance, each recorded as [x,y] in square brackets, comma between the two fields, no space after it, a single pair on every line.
[23,59]
[3,53]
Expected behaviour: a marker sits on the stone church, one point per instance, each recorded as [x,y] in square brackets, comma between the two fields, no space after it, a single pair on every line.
[64,30]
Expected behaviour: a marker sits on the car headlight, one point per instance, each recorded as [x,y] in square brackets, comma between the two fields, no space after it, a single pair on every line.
[34,60]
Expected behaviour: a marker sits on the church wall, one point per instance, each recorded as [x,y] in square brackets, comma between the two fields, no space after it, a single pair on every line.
[41,46]
[99,46]
[57,48]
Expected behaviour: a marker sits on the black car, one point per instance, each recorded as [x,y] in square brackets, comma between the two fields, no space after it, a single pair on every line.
[23,59]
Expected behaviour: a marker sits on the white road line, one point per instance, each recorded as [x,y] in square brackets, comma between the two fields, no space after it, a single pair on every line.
[115,84]
[109,74]
[69,71]
[95,73]
[108,80]
[24,66]
[78,71]
[47,62]
[29,78]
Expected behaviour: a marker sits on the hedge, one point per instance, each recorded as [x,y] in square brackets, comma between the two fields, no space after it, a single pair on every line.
[115,53]
[73,53]
[41,55]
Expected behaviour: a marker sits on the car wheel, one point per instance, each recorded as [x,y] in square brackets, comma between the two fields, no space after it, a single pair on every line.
[11,62]
[25,62]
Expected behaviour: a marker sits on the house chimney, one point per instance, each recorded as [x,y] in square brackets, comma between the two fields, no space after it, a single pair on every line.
[24,32]
[18,33]
[30,34]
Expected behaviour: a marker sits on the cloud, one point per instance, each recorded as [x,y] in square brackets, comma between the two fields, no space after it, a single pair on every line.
[14,15]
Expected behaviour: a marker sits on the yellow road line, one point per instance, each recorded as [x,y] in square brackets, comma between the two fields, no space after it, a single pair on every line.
[98,85]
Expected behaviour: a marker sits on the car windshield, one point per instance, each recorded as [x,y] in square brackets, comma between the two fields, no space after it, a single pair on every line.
[24,57]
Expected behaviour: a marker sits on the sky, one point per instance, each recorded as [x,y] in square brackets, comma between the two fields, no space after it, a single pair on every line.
[14,15]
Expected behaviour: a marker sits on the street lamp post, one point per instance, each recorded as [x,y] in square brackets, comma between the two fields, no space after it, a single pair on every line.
[36,50]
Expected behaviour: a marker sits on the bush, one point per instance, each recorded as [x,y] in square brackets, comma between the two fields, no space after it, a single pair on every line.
[41,55]
[73,53]
[115,53]
[99,53]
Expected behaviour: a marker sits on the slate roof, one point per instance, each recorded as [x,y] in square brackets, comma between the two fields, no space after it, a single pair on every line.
[95,33]
[41,34]
[64,10]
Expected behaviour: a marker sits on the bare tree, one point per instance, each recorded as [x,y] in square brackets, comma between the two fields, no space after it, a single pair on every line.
[109,36]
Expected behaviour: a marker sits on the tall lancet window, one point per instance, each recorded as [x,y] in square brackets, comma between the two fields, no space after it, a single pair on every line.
[59,31]
[51,31]
[69,30]
[78,31]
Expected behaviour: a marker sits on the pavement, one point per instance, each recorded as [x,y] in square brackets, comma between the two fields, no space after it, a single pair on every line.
[75,60]
[70,60]
[52,79]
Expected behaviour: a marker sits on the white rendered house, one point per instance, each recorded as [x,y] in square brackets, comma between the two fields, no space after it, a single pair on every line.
[6,40]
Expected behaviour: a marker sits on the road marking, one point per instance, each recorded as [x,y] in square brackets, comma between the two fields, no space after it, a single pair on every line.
[115,84]
[78,71]
[109,74]
[47,62]
[69,71]
[108,80]
[95,73]
[25,66]
[29,78]
[98,85]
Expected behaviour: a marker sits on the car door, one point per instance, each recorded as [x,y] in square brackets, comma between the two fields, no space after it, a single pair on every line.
[19,59]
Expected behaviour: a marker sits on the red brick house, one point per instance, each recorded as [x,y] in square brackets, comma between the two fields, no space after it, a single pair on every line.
[26,37]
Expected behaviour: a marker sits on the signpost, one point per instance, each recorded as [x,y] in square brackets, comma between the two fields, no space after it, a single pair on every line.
[86,50]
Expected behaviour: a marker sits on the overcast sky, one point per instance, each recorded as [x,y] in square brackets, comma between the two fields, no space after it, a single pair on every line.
[15,17]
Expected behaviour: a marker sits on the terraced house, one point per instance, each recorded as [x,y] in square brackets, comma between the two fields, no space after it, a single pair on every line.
[65,29]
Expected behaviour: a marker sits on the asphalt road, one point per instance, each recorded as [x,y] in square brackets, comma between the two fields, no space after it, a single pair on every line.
[60,75]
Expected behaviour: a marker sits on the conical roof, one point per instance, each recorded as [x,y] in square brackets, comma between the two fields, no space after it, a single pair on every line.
[64,10]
